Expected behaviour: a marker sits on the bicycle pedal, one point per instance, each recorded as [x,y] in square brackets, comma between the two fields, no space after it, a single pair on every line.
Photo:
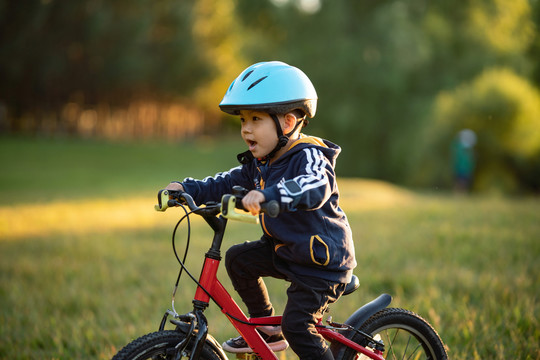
[248,356]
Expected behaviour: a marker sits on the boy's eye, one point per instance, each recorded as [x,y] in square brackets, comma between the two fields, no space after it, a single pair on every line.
[242,119]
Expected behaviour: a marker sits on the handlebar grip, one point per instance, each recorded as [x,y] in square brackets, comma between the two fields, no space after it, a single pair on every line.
[164,202]
[270,208]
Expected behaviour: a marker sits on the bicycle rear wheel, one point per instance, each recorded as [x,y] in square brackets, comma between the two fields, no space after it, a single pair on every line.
[159,345]
[404,334]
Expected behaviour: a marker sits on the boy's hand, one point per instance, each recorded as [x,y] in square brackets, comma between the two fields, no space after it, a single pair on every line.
[252,201]
[175,187]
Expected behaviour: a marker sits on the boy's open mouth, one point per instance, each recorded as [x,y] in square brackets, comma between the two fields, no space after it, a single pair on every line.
[251,144]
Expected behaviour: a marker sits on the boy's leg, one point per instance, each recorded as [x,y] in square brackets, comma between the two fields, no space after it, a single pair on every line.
[246,263]
[307,299]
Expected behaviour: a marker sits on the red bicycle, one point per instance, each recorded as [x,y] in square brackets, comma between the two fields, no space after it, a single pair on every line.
[371,332]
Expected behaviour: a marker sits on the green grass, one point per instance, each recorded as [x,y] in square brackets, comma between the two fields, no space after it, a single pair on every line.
[86,283]
[45,170]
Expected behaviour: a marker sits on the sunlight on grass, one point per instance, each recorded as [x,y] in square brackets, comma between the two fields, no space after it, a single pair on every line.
[102,216]
[85,267]
[360,194]
[86,216]
[87,276]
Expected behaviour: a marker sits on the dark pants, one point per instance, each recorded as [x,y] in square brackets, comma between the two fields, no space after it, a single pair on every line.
[307,296]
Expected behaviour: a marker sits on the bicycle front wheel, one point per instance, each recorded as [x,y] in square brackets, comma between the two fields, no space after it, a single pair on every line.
[159,345]
[405,336]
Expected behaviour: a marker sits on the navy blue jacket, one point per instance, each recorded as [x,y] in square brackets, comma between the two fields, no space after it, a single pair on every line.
[312,232]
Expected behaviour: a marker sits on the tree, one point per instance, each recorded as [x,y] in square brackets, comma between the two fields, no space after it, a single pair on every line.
[503,109]
[101,51]
[378,66]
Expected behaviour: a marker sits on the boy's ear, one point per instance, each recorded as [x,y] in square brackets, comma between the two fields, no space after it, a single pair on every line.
[289,122]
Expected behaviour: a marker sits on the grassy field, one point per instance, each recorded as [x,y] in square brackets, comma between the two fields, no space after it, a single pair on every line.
[86,264]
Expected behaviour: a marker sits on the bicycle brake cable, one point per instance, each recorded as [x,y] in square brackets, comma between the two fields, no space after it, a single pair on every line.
[182,262]
[183,267]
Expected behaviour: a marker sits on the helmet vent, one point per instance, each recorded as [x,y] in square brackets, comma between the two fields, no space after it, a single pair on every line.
[246,76]
[256,82]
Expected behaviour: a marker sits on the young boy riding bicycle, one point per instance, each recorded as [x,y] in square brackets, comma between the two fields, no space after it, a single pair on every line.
[310,243]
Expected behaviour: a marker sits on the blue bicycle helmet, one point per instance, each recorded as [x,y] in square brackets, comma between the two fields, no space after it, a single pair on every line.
[273,87]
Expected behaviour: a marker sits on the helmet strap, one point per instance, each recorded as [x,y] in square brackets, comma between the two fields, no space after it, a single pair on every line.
[298,123]
[282,139]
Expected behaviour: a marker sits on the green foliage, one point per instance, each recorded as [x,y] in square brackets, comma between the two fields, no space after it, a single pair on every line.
[52,52]
[534,50]
[504,111]
[360,56]
[378,66]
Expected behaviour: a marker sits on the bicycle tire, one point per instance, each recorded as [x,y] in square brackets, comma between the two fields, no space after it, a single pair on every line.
[155,346]
[405,335]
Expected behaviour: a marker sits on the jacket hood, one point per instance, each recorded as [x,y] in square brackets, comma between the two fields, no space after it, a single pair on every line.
[328,148]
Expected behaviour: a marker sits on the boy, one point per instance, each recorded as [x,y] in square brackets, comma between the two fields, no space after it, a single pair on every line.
[310,242]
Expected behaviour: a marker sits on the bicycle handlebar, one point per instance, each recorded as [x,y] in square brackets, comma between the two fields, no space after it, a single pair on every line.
[229,202]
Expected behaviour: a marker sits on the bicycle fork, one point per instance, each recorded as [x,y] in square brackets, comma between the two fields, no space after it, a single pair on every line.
[194,338]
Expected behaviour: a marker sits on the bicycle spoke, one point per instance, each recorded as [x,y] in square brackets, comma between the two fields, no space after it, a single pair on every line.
[414,352]
[391,342]
[395,343]
[406,347]
[406,336]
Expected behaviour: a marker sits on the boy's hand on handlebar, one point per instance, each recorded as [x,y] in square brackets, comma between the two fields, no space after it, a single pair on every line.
[174,186]
[252,201]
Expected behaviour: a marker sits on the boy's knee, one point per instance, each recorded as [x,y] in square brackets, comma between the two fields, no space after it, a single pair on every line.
[231,255]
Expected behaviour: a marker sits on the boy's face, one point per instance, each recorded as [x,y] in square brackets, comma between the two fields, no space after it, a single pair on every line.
[259,132]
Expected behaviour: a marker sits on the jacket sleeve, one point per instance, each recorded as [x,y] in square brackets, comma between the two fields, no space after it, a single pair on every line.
[212,188]
[310,187]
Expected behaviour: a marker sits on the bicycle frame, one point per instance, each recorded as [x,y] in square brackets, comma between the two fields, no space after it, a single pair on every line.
[209,287]
[246,326]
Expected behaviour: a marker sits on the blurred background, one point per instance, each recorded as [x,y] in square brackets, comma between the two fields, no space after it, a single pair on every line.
[397,80]
[102,103]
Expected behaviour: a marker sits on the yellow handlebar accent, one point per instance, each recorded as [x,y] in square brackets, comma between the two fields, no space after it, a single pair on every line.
[163,199]
[228,206]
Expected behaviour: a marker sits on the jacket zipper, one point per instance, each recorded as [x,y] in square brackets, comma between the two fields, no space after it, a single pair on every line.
[265,230]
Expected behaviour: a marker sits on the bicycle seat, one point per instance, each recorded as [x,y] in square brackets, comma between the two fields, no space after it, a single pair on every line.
[352,285]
